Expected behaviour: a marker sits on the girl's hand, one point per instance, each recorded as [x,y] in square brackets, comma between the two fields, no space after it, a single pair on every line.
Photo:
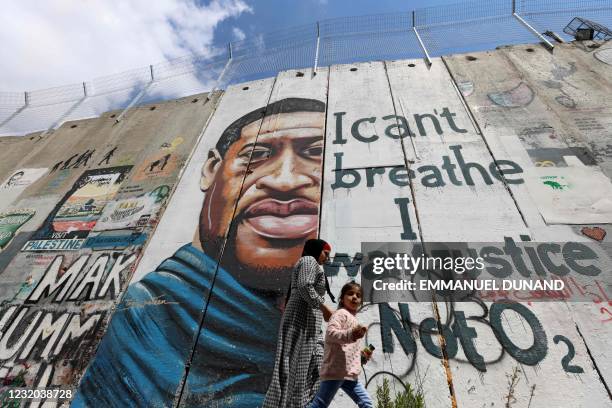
[358,332]
[365,356]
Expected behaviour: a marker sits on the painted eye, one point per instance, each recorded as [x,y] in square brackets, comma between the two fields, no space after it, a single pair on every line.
[314,151]
[256,154]
[260,154]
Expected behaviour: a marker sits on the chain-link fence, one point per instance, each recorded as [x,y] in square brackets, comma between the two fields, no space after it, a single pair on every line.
[427,32]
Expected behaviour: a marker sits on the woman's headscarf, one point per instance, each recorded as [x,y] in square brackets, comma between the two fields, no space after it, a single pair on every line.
[314,247]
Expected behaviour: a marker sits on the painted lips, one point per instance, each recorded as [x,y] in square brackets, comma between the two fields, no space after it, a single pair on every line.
[283,219]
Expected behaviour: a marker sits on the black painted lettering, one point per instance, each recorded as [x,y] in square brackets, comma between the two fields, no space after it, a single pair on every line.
[359,136]
[505,268]
[370,172]
[401,125]
[466,167]
[428,329]
[339,139]
[576,251]
[408,233]
[431,180]
[466,336]
[449,118]
[450,170]
[544,250]
[400,176]
[500,173]
[419,122]
[339,175]
[516,254]
[389,322]
[538,350]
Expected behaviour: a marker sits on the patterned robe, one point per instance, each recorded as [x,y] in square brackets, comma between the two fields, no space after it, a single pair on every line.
[299,349]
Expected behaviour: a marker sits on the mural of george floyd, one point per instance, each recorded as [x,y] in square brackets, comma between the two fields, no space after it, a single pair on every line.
[145,262]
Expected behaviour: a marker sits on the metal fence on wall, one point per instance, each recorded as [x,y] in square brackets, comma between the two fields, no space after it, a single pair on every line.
[423,33]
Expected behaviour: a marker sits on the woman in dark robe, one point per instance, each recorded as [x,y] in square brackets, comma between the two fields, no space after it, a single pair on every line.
[299,349]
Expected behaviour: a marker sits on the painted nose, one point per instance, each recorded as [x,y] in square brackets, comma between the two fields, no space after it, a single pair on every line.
[284,176]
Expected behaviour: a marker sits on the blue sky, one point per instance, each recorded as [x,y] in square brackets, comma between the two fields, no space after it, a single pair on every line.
[59,42]
[272,15]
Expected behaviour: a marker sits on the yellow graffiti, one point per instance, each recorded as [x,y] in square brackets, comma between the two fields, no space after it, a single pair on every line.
[545,163]
[172,145]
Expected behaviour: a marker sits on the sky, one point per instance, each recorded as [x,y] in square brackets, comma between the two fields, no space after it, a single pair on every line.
[49,43]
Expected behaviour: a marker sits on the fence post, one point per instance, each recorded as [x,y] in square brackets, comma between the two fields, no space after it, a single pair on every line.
[26,103]
[138,97]
[221,75]
[535,32]
[66,114]
[427,58]
[316,60]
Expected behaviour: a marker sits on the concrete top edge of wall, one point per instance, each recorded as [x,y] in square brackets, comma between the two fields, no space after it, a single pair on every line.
[307,71]
[113,114]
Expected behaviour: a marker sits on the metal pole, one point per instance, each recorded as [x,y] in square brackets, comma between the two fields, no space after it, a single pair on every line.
[63,118]
[84,89]
[513,6]
[138,97]
[222,74]
[547,43]
[427,57]
[26,103]
[13,116]
[316,61]
[134,101]
[218,81]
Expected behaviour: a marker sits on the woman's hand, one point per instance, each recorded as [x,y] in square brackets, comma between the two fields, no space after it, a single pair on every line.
[358,332]
[326,311]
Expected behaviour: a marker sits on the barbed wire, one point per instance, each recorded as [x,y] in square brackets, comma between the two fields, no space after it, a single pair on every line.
[431,31]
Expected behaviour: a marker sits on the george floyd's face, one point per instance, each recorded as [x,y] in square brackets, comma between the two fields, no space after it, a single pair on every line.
[277,208]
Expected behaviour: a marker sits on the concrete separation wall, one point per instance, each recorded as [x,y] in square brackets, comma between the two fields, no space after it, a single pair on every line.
[77,208]
[145,263]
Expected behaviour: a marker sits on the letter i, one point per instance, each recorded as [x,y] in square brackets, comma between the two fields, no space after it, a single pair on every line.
[408,233]
[339,139]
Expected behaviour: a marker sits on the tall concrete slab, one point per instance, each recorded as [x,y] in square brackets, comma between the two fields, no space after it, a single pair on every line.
[459,194]
[75,233]
[576,84]
[570,87]
[276,211]
[500,100]
[365,160]
[517,121]
[367,197]
[180,266]
[13,149]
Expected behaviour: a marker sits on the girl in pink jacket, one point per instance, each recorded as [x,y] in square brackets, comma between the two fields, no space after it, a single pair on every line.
[342,356]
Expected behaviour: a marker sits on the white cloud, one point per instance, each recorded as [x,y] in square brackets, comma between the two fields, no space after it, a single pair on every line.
[57,42]
[238,34]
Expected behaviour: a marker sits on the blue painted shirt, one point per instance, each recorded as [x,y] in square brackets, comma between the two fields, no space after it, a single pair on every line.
[141,359]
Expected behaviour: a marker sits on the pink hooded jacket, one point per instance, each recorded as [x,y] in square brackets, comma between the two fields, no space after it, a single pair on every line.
[342,355]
